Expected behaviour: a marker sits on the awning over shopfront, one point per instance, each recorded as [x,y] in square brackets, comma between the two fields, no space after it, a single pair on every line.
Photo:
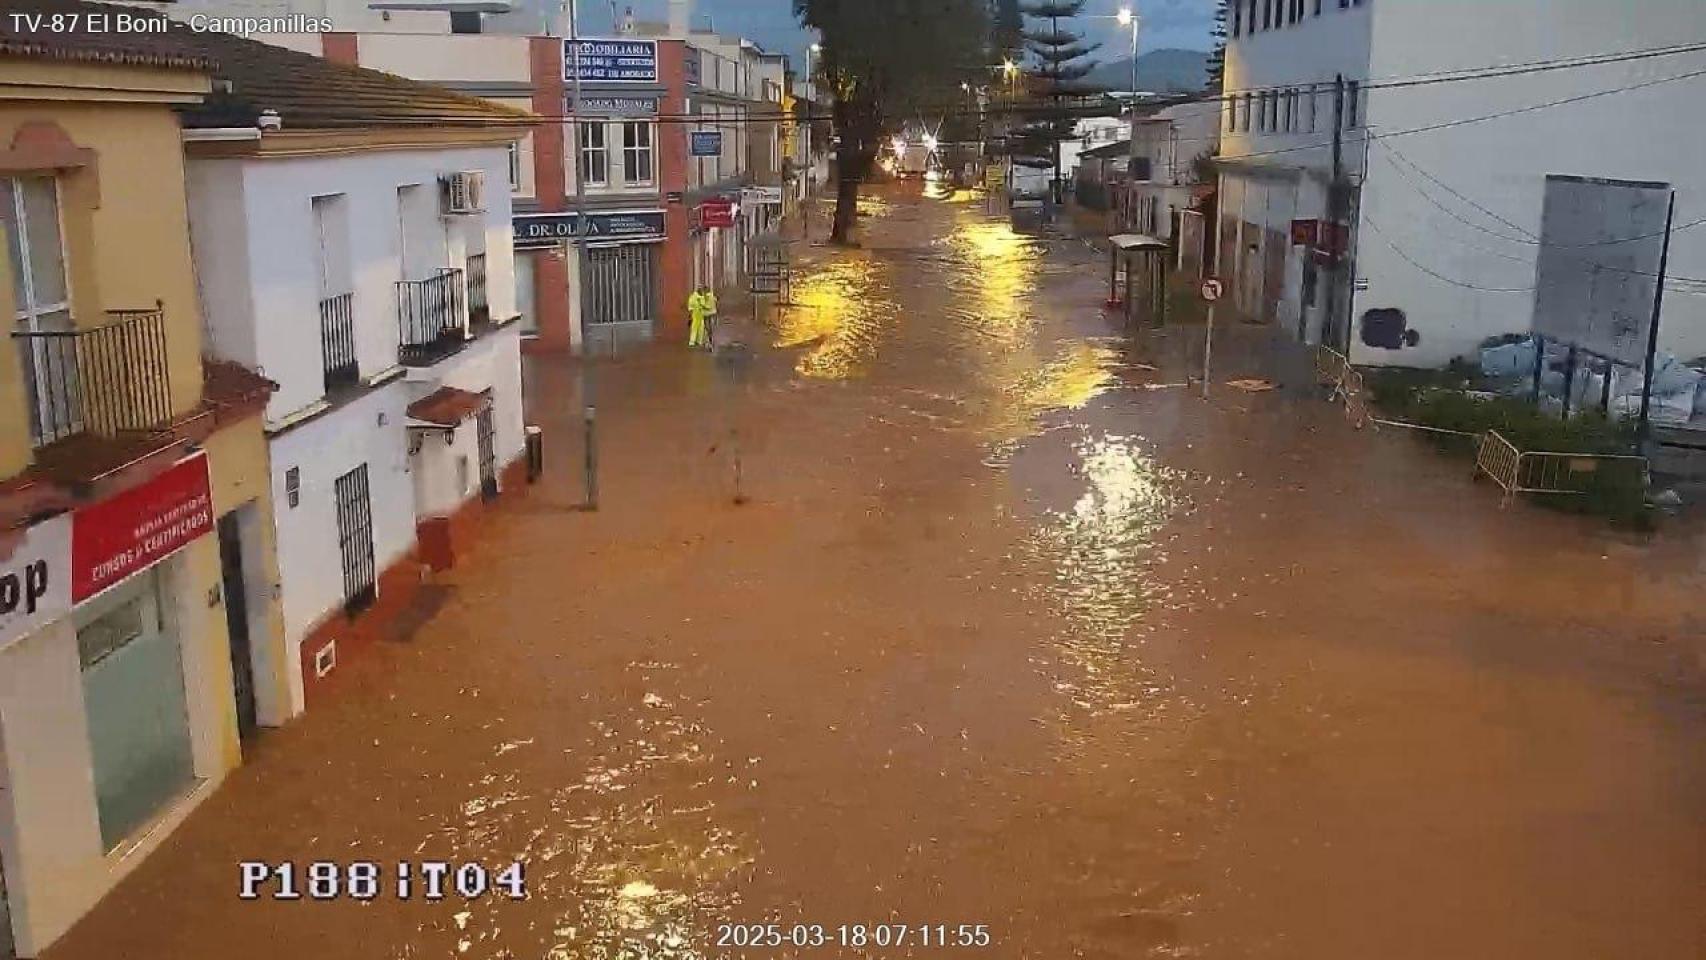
[446,407]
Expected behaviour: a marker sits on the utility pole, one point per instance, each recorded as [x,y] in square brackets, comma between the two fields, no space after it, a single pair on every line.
[1653,328]
[1336,197]
[589,401]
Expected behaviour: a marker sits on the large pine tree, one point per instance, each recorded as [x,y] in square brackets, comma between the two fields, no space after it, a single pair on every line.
[1217,58]
[1054,76]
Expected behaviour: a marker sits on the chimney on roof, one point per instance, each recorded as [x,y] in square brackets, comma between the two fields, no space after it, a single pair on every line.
[680,17]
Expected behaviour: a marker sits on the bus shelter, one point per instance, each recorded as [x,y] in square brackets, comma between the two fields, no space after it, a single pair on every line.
[1137,276]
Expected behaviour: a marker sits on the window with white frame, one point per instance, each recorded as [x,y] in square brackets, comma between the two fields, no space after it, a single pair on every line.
[29,208]
[637,166]
[41,300]
[594,161]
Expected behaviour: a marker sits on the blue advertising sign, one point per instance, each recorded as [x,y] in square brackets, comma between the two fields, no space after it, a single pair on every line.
[705,143]
[534,230]
[612,61]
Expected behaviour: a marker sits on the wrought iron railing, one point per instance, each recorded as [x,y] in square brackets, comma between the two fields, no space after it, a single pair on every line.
[479,308]
[432,317]
[337,342]
[101,380]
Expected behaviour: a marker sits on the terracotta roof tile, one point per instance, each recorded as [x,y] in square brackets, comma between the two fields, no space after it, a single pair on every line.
[73,39]
[447,406]
[308,92]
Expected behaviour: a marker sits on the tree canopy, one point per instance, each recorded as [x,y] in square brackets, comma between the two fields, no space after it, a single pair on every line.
[884,62]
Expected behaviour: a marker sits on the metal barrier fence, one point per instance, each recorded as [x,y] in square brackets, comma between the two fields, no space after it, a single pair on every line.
[1548,472]
[1333,369]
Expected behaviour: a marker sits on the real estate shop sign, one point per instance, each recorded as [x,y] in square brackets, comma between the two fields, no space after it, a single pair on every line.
[35,578]
[139,527]
[535,230]
[612,61]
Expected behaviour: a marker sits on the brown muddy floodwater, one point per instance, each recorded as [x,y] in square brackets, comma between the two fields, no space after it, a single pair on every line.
[1013,631]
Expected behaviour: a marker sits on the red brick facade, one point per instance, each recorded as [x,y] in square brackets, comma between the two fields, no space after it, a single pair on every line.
[551,271]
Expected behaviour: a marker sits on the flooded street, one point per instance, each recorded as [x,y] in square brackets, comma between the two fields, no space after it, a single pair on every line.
[1014,629]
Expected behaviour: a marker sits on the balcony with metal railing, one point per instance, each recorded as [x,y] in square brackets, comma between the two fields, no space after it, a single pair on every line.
[106,380]
[432,317]
[337,343]
[479,307]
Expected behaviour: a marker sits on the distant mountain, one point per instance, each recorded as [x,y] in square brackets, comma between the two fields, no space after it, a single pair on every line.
[1158,71]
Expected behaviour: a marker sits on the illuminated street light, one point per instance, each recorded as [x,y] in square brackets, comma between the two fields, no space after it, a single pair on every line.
[899,145]
[1124,16]
[929,142]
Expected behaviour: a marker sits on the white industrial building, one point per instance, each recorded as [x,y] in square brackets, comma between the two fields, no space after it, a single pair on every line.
[365,265]
[1445,175]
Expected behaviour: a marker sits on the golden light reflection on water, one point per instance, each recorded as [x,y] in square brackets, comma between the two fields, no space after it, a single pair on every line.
[1077,374]
[1001,268]
[1098,554]
[840,310]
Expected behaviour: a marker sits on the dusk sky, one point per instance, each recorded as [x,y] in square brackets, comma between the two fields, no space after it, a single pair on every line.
[1166,23]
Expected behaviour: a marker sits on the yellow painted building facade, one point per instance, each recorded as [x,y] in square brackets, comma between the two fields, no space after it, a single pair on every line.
[126,685]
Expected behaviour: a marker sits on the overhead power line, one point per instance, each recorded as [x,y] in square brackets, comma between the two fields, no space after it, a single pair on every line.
[1412,261]
[1481,118]
[958,107]
[1530,239]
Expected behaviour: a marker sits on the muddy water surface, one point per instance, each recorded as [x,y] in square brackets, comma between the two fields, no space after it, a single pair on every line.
[1013,630]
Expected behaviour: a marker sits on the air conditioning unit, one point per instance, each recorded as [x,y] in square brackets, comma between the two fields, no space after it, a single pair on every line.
[462,193]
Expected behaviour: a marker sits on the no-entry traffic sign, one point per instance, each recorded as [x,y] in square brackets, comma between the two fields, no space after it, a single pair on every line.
[1211,290]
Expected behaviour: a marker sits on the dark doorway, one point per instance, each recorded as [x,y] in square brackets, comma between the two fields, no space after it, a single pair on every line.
[237,622]
[355,539]
[484,433]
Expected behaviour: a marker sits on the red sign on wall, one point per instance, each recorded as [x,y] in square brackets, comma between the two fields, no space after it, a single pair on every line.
[717,213]
[122,534]
[1305,232]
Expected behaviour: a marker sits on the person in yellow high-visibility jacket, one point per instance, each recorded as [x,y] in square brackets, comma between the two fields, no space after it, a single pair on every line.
[710,318]
[698,308]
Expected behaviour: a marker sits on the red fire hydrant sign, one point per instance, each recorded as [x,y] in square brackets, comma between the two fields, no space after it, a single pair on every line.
[133,530]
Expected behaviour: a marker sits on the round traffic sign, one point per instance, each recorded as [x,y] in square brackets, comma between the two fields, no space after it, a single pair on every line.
[1211,290]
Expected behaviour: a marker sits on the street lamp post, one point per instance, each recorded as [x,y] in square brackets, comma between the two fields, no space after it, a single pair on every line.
[1126,16]
[811,114]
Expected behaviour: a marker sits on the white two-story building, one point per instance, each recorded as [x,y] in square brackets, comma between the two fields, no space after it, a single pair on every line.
[1166,173]
[353,239]
[1451,115]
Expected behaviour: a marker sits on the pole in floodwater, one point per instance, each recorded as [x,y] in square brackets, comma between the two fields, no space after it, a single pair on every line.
[1653,328]
[1211,290]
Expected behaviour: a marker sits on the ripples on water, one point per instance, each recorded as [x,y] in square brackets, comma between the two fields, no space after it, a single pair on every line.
[627,860]
[1096,559]
[841,310]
